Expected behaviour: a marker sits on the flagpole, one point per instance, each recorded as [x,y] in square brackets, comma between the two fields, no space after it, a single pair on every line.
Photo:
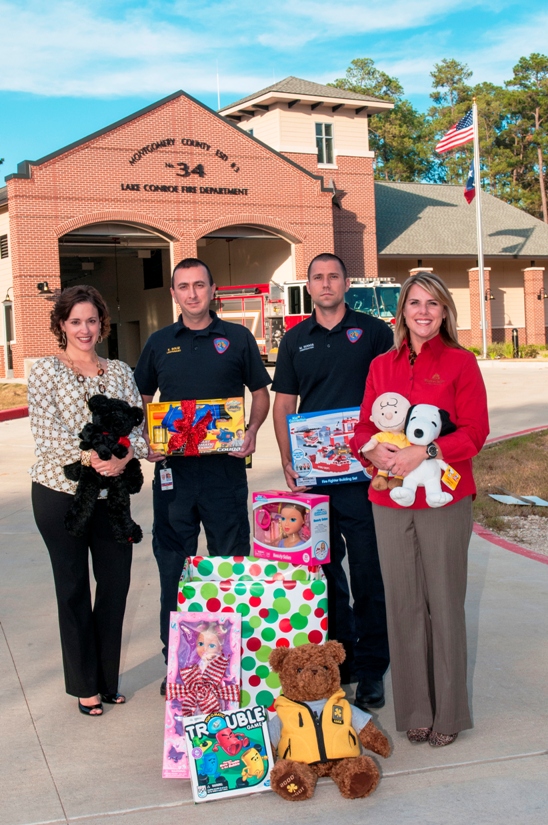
[477,174]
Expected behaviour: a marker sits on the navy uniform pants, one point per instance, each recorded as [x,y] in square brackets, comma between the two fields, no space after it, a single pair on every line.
[362,627]
[209,490]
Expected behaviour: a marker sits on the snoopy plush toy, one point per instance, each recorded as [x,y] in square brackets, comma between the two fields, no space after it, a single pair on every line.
[425,423]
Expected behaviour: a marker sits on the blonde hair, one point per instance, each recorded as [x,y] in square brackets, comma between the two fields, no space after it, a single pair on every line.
[437,288]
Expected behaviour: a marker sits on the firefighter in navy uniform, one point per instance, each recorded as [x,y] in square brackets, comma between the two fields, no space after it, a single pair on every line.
[200,356]
[324,361]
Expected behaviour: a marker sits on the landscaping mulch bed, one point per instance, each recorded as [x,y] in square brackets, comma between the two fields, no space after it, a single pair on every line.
[519,466]
[12,395]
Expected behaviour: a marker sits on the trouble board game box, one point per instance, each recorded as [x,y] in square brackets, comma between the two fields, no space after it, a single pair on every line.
[211,425]
[291,527]
[229,753]
[320,447]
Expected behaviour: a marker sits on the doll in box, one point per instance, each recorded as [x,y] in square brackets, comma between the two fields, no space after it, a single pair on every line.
[293,525]
[207,682]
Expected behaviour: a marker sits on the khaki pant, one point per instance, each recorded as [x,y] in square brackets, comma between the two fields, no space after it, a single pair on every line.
[424,563]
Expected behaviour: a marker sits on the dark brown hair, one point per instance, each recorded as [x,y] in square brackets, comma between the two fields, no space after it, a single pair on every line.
[83,294]
[327,256]
[190,263]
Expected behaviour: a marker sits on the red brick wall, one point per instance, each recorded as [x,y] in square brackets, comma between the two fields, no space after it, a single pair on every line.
[535,322]
[84,185]
[475,307]
[354,224]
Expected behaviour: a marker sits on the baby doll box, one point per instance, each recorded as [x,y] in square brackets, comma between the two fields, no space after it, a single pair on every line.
[183,652]
[281,605]
[320,447]
[211,425]
[291,527]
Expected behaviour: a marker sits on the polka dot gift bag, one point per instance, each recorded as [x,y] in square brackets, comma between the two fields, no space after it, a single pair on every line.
[280,604]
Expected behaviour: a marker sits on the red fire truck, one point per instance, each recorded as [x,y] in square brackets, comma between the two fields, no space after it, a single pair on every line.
[269,310]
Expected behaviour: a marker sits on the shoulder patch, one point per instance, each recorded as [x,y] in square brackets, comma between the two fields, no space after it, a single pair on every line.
[354,334]
[221,344]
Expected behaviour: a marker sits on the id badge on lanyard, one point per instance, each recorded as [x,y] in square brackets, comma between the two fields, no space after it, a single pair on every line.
[166,477]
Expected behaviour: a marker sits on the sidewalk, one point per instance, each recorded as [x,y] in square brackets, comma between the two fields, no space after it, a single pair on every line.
[57,766]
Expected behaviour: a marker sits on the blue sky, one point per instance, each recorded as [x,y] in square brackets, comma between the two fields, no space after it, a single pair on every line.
[70,68]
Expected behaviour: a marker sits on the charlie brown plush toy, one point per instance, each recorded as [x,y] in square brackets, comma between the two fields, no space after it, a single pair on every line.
[316,731]
[388,414]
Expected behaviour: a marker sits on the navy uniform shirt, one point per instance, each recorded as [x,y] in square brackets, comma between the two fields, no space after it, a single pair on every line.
[186,364]
[327,368]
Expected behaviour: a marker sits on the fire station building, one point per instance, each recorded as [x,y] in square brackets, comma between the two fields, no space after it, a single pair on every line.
[255,191]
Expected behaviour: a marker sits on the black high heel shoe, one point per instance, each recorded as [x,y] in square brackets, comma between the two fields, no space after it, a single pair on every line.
[113,698]
[86,709]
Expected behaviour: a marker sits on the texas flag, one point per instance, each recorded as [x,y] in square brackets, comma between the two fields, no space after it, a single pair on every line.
[470,188]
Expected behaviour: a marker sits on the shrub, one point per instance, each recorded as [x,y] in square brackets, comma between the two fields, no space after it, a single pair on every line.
[475,350]
[528,351]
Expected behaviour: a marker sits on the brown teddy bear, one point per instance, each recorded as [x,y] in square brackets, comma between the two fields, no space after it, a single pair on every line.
[316,731]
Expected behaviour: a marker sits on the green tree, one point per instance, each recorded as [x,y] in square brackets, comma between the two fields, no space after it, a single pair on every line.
[396,136]
[530,108]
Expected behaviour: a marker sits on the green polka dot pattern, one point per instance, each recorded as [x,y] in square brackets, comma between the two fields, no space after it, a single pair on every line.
[280,606]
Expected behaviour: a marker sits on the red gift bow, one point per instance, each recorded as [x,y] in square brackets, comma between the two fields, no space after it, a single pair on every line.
[187,436]
[203,689]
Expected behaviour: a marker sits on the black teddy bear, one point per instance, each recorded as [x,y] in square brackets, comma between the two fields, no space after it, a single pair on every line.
[107,434]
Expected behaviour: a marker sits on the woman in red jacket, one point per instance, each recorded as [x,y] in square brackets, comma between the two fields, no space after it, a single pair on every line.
[423,551]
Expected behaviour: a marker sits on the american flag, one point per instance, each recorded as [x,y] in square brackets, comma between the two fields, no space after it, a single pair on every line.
[459,134]
[470,188]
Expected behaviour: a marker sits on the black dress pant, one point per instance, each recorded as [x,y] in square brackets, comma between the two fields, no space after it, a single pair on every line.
[362,627]
[91,635]
[209,490]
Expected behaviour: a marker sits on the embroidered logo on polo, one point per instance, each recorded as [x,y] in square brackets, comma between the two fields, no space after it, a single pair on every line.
[173,349]
[354,334]
[436,379]
[221,344]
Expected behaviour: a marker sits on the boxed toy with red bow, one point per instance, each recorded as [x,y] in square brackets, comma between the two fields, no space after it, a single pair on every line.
[320,449]
[211,425]
[291,527]
[203,676]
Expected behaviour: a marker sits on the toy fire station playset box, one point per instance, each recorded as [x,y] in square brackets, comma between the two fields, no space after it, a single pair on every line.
[291,527]
[320,447]
[211,425]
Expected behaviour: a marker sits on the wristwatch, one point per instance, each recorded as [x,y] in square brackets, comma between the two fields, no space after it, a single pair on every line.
[431,451]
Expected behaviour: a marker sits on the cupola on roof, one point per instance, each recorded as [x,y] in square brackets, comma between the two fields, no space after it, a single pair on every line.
[294,90]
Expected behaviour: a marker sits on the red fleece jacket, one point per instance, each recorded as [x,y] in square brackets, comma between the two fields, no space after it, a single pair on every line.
[447,377]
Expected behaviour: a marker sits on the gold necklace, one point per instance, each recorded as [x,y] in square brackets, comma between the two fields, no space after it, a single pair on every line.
[83,378]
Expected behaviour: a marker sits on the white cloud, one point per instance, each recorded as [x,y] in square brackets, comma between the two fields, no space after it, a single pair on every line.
[152,47]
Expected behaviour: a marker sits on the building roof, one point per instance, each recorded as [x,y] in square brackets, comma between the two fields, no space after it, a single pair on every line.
[422,219]
[295,89]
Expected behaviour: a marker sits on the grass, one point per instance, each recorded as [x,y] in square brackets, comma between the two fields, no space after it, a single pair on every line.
[12,395]
[520,465]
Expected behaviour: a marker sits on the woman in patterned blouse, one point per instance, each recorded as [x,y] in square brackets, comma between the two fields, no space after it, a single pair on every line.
[58,389]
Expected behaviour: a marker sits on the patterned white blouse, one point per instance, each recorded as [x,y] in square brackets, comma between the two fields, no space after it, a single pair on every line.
[58,412]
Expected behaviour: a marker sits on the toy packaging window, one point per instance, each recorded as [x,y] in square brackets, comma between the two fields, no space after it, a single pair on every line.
[280,604]
[230,753]
[211,425]
[293,528]
[320,447]
[203,676]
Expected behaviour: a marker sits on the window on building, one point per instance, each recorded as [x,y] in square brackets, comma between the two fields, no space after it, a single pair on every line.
[4,246]
[324,142]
